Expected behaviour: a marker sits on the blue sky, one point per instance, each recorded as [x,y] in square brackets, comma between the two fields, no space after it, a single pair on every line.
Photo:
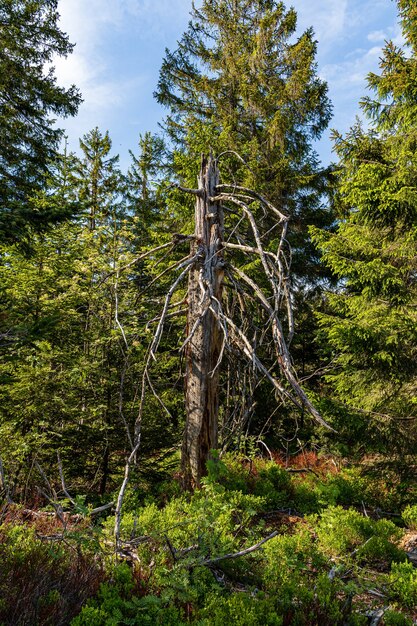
[120,45]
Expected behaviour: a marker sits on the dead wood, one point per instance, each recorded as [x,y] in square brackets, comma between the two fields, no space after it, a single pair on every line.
[234,555]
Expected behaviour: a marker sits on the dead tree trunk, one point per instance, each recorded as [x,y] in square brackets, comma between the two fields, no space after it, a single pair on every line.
[204,345]
[213,329]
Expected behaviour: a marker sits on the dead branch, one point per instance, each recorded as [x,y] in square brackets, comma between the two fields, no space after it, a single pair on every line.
[137,259]
[254,195]
[194,192]
[61,475]
[187,264]
[234,555]
[249,249]
[118,513]
[52,496]
[174,266]
[301,470]
[101,509]
[116,309]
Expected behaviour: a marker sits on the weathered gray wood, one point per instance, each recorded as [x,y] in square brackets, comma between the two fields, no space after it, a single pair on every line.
[205,335]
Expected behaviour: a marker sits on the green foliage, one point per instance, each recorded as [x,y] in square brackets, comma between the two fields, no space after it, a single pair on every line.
[213,521]
[240,609]
[74,347]
[409,516]
[29,100]
[258,477]
[403,584]
[43,583]
[393,618]
[369,324]
[273,483]
[310,572]
[347,487]
[116,603]
[249,87]
[342,532]
[78,313]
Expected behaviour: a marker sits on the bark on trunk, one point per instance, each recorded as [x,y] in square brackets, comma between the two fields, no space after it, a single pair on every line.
[204,347]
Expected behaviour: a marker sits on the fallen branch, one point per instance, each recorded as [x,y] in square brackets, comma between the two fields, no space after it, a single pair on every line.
[234,555]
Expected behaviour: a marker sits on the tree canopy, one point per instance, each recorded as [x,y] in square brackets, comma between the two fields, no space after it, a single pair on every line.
[371,322]
[30,99]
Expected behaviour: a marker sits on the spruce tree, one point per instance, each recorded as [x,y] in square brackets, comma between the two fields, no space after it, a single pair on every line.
[70,354]
[244,85]
[144,192]
[371,321]
[240,80]
[30,98]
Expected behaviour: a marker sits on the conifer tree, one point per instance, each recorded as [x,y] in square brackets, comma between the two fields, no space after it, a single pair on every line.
[371,321]
[70,358]
[29,100]
[241,83]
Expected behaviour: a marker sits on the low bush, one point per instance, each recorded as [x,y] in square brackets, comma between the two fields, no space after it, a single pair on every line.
[189,562]
[393,618]
[409,516]
[239,609]
[403,584]
[342,532]
[119,602]
[42,582]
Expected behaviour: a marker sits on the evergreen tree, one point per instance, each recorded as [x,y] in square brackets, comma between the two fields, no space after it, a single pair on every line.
[144,191]
[241,83]
[371,321]
[71,357]
[29,99]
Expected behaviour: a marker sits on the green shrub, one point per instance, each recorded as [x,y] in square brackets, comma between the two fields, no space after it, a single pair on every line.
[409,516]
[295,575]
[228,472]
[42,582]
[350,486]
[286,559]
[239,609]
[211,522]
[393,618]
[342,532]
[116,603]
[306,498]
[403,584]
[379,551]
[273,483]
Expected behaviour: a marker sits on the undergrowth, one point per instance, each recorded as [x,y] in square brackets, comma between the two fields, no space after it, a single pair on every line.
[331,557]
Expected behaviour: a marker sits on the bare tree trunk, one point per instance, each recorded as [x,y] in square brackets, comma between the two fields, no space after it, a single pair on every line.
[204,346]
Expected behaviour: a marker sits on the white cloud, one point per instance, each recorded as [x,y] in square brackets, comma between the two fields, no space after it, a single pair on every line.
[158,16]
[83,22]
[352,72]
[94,26]
[376,36]
[328,18]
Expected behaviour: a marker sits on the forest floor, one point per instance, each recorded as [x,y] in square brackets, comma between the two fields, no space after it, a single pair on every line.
[263,542]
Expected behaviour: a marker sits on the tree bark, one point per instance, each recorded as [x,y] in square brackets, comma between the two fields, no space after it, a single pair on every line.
[205,334]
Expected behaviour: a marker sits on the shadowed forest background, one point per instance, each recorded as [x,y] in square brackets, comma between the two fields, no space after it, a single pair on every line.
[292,499]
